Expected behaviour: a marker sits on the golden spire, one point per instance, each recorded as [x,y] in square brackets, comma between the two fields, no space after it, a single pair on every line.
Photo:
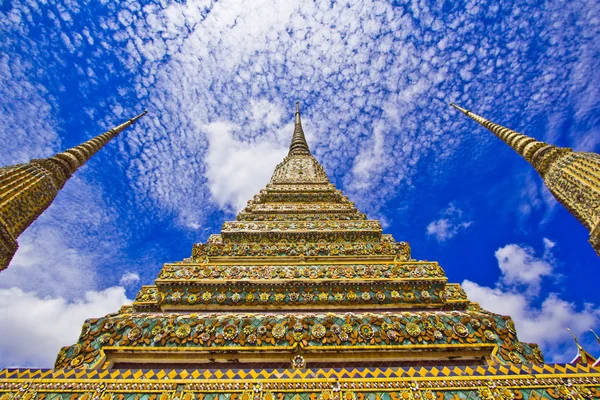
[298,145]
[524,145]
[580,349]
[572,177]
[26,190]
[597,338]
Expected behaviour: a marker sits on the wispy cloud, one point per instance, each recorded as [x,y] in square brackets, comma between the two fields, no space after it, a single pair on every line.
[539,319]
[451,222]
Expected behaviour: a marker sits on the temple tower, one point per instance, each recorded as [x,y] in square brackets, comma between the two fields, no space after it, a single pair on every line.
[301,297]
[301,277]
[26,190]
[572,177]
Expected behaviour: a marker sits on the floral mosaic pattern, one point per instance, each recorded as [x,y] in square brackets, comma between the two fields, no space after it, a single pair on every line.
[400,330]
[348,216]
[264,295]
[277,247]
[424,270]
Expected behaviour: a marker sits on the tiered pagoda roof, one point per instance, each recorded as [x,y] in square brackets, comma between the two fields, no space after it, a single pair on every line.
[302,297]
[300,272]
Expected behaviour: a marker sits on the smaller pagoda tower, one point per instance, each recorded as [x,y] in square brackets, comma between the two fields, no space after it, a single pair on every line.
[26,190]
[572,177]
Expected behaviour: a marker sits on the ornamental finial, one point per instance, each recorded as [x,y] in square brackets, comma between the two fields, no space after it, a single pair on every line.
[524,145]
[597,338]
[580,349]
[28,189]
[298,145]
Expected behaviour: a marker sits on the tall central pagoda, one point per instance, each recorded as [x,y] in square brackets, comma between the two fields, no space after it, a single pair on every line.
[301,298]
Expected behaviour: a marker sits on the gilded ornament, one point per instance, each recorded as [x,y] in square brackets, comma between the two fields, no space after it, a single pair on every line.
[507,394]
[75,362]
[510,325]
[489,335]
[262,330]
[323,296]
[278,331]
[176,296]
[485,393]
[438,335]
[352,296]
[298,361]
[279,297]
[134,333]
[264,297]
[335,328]
[413,329]
[318,331]
[394,294]
[121,324]
[183,331]
[250,298]
[537,354]
[230,332]
[338,296]
[475,323]
[294,296]
[514,357]
[425,295]
[76,350]
[391,334]
[205,337]
[380,296]
[366,296]
[428,395]
[366,331]
[206,296]
[487,323]
[236,297]
[248,329]
[298,326]
[221,297]
[344,336]
[85,329]
[251,338]
[519,347]
[347,328]
[192,298]
[460,330]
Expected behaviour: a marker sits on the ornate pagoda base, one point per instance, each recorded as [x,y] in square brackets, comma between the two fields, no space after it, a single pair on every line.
[424,383]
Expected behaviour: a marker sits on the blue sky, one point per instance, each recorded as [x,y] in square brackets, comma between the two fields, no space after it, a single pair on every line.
[220,81]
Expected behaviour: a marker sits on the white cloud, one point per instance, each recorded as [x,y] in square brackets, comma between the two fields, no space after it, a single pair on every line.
[130,278]
[237,169]
[451,223]
[543,321]
[520,267]
[34,328]
[59,253]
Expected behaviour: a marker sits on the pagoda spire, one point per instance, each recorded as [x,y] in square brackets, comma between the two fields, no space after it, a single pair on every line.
[26,190]
[298,145]
[572,177]
[524,145]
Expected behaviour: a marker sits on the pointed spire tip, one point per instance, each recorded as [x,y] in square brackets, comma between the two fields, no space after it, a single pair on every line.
[459,108]
[134,119]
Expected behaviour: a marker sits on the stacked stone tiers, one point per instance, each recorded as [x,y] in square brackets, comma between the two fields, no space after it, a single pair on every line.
[300,273]
[383,383]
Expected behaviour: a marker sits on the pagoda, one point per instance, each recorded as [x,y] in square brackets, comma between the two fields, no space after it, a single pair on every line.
[302,297]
